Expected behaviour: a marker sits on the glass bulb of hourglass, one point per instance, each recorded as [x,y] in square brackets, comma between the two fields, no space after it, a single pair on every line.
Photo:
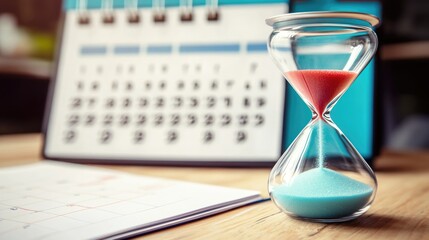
[321,176]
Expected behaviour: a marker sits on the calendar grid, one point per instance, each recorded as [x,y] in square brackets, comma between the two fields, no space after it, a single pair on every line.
[174,93]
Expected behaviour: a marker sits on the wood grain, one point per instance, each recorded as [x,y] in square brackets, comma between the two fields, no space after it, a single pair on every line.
[400,209]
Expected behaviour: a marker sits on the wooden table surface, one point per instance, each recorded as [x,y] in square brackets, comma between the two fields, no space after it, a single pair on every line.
[400,209]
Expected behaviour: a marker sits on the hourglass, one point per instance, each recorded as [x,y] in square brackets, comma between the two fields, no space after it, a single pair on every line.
[321,176]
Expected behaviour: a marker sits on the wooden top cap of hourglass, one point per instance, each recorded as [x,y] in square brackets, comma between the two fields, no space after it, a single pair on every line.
[372,20]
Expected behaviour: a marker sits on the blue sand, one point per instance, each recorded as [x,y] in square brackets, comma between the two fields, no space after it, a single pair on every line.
[322,193]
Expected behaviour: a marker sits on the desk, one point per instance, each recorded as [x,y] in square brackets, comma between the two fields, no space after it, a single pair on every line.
[400,209]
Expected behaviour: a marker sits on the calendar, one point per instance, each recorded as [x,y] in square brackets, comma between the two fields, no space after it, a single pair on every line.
[166,82]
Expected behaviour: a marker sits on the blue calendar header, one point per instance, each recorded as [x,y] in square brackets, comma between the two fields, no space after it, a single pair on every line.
[97,4]
[184,48]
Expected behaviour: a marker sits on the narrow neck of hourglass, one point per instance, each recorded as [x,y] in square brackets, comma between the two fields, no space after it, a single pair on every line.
[325,116]
[323,112]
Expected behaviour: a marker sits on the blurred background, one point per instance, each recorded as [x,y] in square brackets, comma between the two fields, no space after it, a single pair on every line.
[28,30]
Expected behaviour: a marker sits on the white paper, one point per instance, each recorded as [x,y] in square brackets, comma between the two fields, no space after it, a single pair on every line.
[53,200]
